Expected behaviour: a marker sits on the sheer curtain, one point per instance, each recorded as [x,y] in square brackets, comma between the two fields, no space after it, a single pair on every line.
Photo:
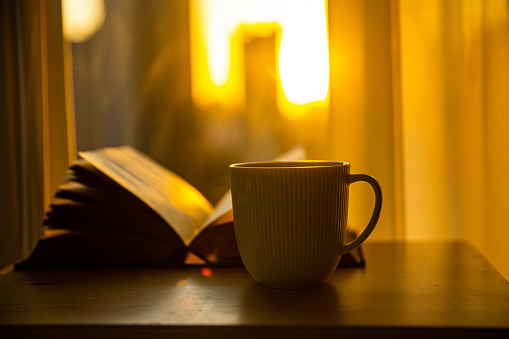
[36,122]
[455,81]
[419,92]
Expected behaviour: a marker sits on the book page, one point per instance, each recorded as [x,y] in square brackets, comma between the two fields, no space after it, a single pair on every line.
[222,207]
[180,204]
[296,153]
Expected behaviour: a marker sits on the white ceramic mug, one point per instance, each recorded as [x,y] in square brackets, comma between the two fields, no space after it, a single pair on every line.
[290,219]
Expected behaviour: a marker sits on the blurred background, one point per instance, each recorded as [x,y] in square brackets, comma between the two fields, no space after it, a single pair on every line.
[413,92]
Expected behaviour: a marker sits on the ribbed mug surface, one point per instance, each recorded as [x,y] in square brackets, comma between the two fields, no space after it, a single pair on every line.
[290,219]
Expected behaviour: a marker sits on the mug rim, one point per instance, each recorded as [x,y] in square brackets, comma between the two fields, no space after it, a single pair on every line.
[273,164]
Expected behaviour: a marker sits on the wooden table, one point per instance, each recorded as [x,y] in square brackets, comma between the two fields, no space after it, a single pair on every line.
[405,290]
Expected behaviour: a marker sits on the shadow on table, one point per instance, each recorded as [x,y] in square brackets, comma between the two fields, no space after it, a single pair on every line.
[311,306]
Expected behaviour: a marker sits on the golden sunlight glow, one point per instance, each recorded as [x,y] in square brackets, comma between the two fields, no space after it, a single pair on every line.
[82,18]
[217,28]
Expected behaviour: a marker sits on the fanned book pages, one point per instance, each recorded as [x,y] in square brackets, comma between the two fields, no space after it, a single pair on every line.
[121,208]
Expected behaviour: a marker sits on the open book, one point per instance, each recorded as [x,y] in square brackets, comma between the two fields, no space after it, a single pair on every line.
[121,208]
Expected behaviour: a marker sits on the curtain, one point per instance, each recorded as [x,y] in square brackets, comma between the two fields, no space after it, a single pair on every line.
[455,81]
[419,99]
[36,120]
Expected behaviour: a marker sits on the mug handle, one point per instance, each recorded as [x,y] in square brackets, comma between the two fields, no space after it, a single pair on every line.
[376,211]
